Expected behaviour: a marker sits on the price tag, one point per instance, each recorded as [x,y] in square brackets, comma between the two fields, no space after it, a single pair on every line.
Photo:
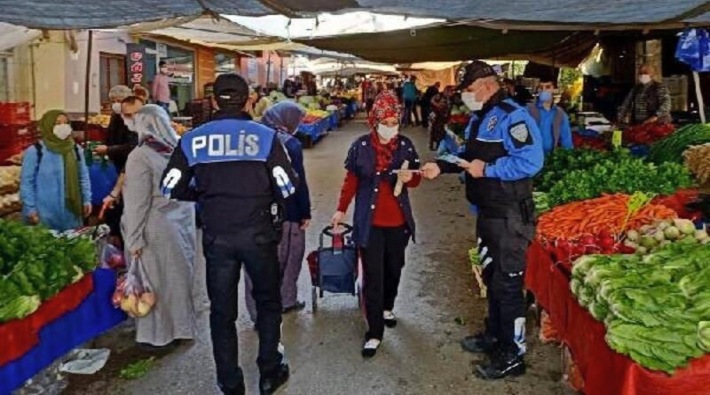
[616,139]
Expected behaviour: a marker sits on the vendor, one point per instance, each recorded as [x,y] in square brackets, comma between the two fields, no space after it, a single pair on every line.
[258,103]
[648,102]
[552,120]
[119,143]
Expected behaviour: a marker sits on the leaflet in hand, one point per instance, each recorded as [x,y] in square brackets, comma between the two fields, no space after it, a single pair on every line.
[451,159]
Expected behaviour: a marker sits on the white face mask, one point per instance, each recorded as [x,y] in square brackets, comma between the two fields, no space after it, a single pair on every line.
[644,79]
[387,133]
[469,99]
[62,131]
[116,107]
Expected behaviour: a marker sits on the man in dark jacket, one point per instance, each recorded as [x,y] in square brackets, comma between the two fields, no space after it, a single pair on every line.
[240,175]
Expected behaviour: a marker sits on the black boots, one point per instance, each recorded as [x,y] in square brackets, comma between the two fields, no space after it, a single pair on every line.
[269,384]
[500,365]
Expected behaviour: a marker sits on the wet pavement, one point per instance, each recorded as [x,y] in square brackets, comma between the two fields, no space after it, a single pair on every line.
[436,307]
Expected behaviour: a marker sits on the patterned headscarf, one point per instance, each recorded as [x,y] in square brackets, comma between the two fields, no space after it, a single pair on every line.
[386,106]
[154,129]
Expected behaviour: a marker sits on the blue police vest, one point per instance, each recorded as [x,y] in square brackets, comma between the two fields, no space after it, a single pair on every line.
[229,140]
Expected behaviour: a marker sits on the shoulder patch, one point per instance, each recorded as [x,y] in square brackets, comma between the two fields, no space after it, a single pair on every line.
[520,134]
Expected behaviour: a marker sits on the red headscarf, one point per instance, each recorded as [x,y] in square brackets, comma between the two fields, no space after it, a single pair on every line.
[386,106]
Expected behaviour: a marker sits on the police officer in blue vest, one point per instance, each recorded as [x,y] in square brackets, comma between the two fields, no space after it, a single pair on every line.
[503,152]
[239,173]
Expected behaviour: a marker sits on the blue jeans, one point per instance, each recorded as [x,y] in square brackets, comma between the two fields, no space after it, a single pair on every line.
[225,255]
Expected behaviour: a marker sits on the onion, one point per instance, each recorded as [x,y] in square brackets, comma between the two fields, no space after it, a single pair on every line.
[672,233]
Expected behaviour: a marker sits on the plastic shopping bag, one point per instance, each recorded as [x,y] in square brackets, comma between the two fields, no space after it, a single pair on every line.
[111,257]
[135,292]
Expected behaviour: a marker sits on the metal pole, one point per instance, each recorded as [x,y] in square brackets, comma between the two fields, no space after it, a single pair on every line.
[87,88]
[268,68]
[281,71]
[701,104]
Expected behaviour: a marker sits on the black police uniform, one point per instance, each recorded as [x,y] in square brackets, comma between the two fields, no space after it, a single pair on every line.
[239,173]
[504,136]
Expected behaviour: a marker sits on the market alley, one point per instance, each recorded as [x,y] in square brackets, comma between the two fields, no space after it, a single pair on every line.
[422,355]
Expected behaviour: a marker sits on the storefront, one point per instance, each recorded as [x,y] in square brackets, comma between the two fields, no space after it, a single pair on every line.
[181,68]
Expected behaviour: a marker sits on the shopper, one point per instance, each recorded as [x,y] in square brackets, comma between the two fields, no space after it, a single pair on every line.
[648,102]
[441,111]
[370,95]
[409,93]
[383,222]
[285,117]
[159,234]
[258,103]
[503,152]
[161,87]
[240,189]
[119,143]
[56,164]
[426,102]
[551,119]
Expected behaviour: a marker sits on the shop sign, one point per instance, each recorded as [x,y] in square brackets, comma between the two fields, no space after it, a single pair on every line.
[136,64]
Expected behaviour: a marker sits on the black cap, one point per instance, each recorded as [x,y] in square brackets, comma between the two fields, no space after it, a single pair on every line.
[231,87]
[473,71]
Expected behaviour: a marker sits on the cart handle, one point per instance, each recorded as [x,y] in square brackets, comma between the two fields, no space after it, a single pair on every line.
[328,230]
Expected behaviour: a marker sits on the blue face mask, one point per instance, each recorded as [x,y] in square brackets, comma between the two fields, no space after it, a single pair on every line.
[545,96]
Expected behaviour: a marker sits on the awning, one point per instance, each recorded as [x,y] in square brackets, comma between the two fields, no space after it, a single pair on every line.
[453,42]
[12,36]
[538,14]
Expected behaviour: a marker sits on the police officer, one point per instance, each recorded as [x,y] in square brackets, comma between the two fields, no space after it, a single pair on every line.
[503,152]
[239,173]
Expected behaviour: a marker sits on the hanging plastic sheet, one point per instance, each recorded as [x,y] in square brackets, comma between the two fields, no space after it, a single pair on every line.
[694,49]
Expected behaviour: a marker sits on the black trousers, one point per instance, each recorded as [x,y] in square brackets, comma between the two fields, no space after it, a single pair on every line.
[225,255]
[382,263]
[426,110]
[503,243]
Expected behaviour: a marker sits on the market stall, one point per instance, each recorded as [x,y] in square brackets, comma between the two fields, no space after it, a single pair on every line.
[619,262]
[55,297]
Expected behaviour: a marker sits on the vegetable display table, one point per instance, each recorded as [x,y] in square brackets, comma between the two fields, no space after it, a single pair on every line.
[76,315]
[604,371]
[315,131]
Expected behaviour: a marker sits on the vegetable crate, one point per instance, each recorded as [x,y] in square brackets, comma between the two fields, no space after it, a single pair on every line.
[15,113]
[16,138]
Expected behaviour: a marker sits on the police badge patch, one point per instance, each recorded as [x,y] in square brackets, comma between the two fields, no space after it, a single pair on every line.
[520,134]
[492,123]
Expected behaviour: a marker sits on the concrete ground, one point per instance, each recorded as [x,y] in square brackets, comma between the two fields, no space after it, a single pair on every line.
[436,307]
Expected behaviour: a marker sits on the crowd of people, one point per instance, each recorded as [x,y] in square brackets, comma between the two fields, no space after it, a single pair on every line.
[169,187]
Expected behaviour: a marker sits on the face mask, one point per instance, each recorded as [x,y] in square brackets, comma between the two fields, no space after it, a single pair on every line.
[62,131]
[116,107]
[644,79]
[469,99]
[545,96]
[387,133]
[130,124]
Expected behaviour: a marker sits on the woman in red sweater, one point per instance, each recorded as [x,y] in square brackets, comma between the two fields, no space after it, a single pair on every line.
[383,222]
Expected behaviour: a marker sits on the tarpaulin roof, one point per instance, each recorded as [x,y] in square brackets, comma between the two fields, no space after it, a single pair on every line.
[12,36]
[76,14]
[447,42]
[213,30]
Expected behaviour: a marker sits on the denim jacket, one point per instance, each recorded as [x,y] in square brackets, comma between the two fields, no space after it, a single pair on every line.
[361,162]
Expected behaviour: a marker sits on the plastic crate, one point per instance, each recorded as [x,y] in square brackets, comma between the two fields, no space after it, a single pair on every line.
[640,150]
[15,113]
[18,135]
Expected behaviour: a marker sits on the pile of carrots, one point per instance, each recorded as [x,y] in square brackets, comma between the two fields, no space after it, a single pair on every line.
[608,213]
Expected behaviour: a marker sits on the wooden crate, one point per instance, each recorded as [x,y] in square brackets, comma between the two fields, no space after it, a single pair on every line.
[478,275]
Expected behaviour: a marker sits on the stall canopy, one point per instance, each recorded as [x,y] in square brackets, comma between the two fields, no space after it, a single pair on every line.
[452,42]
[12,36]
[75,14]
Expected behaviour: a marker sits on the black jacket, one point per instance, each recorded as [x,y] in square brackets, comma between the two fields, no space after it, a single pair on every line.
[120,142]
[238,172]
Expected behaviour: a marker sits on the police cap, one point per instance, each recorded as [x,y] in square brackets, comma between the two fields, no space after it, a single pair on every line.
[231,87]
[474,71]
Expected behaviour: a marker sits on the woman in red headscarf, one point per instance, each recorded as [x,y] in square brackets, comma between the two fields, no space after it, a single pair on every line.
[383,220]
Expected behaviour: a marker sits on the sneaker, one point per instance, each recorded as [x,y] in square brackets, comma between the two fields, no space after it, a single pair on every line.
[501,365]
[271,383]
[390,319]
[479,343]
[369,349]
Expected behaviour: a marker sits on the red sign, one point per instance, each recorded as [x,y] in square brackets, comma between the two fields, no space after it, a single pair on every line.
[136,63]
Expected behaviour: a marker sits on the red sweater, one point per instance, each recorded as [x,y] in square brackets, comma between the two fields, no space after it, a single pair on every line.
[387,213]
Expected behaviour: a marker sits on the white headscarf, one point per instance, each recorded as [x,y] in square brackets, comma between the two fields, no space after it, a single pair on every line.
[153,122]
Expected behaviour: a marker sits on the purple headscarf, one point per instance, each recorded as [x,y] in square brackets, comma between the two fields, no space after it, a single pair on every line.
[284,116]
